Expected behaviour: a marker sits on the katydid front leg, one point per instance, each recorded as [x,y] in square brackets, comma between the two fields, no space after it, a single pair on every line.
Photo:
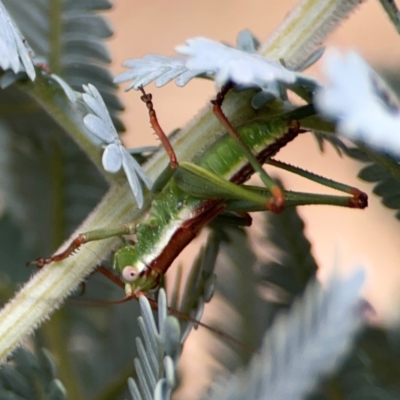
[98,234]
[277,202]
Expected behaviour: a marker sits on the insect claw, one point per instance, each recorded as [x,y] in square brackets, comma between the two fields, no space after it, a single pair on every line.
[39,262]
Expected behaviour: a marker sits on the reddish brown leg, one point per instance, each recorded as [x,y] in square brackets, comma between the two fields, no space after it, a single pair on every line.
[147,98]
[83,238]
[76,243]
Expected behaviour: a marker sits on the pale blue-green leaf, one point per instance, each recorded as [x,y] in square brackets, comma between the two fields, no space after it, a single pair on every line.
[97,127]
[16,382]
[86,47]
[170,375]
[9,77]
[56,391]
[47,363]
[89,5]
[128,164]
[146,78]
[246,41]
[134,390]
[6,395]
[170,337]
[312,59]
[94,25]
[64,86]
[12,48]
[302,346]
[151,344]
[162,392]
[112,158]
[162,311]
[169,76]
[144,388]
[187,76]
[131,165]
[145,362]
[147,315]
[150,67]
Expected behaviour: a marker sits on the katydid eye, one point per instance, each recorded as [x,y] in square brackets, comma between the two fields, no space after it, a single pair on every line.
[130,274]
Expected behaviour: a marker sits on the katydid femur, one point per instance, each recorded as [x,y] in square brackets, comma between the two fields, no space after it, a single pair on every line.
[188,196]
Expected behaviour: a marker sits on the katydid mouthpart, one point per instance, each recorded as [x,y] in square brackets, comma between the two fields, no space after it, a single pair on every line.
[188,196]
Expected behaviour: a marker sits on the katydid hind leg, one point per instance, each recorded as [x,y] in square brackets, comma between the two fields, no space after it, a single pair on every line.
[83,238]
[359,199]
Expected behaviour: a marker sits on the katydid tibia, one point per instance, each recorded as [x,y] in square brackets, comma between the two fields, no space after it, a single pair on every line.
[187,196]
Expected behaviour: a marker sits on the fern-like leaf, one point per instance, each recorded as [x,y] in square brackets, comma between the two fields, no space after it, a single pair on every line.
[158,355]
[302,346]
[28,377]
[294,265]
[14,50]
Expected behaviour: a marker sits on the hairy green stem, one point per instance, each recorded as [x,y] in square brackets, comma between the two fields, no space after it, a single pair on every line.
[52,284]
[305,28]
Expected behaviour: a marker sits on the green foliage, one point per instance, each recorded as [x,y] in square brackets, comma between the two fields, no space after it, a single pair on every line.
[29,376]
[50,185]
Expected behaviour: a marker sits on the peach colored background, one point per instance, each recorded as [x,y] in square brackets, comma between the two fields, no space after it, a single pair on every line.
[359,237]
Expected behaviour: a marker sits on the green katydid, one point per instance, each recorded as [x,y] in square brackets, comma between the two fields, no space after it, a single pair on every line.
[187,196]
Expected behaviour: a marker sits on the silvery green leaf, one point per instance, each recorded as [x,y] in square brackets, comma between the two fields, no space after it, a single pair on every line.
[352,98]
[9,77]
[13,47]
[162,392]
[143,385]
[64,86]
[151,67]
[312,59]
[170,337]
[145,362]
[133,389]
[115,155]
[302,346]
[156,377]
[188,75]
[15,381]
[246,41]
[162,311]
[169,367]
[112,158]
[150,342]
[57,391]
[230,64]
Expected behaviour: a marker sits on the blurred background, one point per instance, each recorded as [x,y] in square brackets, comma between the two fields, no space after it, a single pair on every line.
[341,237]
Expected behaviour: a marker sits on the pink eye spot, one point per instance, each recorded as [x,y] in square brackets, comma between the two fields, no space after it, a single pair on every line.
[130,274]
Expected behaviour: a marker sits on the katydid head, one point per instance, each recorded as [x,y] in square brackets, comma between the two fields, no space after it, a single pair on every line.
[135,274]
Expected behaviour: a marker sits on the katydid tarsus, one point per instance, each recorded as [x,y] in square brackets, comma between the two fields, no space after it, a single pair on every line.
[187,196]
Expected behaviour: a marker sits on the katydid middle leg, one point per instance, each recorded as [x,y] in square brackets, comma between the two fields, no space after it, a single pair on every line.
[277,202]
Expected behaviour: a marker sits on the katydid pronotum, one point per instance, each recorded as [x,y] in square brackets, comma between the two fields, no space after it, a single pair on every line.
[187,196]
